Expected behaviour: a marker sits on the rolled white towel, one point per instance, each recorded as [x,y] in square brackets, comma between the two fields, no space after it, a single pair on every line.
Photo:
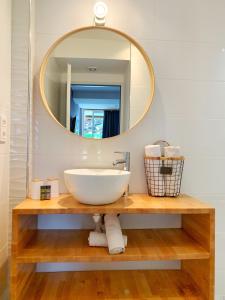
[156,181]
[171,179]
[98,239]
[153,150]
[114,234]
[172,151]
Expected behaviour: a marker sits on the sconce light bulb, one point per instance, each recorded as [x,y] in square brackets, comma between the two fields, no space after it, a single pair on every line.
[100,10]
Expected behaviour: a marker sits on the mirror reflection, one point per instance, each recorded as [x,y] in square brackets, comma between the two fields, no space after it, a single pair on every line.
[97,83]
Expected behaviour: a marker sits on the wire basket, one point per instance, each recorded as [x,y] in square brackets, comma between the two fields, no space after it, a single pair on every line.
[164,175]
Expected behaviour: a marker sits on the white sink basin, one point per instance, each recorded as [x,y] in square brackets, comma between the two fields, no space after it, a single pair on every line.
[96,186]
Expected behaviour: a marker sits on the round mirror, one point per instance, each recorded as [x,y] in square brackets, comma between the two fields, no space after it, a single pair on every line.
[97,82]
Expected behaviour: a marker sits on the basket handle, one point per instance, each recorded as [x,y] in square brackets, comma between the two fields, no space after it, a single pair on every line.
[162,143]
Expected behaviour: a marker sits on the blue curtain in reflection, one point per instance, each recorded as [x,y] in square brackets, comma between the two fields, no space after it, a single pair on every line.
[73,124]
[72,113]
[111,123]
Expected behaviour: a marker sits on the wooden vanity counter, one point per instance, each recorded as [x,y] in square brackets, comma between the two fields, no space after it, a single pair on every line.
[192,244]
[133,204]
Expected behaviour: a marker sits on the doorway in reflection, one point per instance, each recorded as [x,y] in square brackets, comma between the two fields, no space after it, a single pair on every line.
[95,110]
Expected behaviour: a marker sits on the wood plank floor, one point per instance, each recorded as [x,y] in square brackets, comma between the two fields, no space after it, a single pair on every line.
[109,285]
[143,244]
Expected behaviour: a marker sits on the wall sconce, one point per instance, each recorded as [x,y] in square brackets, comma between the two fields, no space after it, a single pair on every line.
[100,11]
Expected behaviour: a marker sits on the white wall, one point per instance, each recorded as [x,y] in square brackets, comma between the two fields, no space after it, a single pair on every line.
[5,78]
[185,40]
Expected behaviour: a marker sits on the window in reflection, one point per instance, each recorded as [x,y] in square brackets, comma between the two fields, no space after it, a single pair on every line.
[92,123]
[95,110]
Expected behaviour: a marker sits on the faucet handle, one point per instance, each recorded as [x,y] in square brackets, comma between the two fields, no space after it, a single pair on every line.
[126,158]
[122,152]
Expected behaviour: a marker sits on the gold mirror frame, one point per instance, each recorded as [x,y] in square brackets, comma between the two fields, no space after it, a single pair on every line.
[52,48]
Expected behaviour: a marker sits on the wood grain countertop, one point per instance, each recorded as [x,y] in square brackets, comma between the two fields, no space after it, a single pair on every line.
[132,204]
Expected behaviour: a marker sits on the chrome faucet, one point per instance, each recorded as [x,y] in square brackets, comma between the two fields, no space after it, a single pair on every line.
[125,160]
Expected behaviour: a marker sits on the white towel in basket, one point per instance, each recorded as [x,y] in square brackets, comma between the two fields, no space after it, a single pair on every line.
[153,150]
[172,151]
[171,181]
[155,180]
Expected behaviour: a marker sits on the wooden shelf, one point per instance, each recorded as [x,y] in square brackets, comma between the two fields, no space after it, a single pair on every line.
[146,244]
[134,203]
[112,285]
[192,244]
